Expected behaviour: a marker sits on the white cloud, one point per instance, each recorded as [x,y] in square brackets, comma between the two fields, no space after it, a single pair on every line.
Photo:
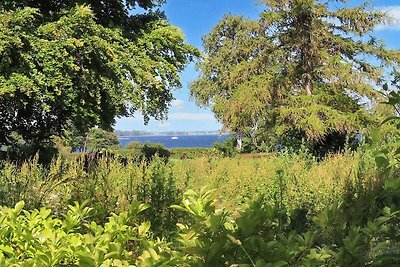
[394,13]
[191,116]
[178,104]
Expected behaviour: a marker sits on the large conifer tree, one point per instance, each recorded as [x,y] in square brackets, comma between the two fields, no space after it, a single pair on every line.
[310,72]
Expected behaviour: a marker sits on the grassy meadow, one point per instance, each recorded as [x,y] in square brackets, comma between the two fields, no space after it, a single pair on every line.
[288,180]
[271,209]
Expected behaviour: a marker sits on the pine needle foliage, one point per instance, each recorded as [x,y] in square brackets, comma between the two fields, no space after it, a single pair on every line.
[305,68]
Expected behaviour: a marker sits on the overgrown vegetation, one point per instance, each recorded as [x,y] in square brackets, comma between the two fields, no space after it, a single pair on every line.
[322,189]
[276,209]
[108,184]
[257,235]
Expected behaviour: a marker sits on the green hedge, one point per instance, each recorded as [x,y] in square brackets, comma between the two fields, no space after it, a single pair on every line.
[191,153]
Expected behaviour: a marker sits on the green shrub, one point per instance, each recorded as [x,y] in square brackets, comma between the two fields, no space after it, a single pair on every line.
[36,184]
[258,235]
[304,181]
[227,148]
[137,152]
[151,150]
[37,238]
[135,145]
[21,151]
[102,140]
[294,181]
[158,188]
[190,153]
[129,155]
[262,235]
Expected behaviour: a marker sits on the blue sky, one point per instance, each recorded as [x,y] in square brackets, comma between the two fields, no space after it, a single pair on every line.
[196,18]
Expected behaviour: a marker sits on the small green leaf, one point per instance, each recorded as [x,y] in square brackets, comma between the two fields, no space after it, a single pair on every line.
[144,228]
[6,249]
[382,161]
[19,206]
[375,135]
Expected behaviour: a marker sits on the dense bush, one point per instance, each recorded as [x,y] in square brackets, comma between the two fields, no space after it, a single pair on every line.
[150,150]
[295,180]
[19,150]
[158,188]
[135,145]
[144,152]
[37,238]
[294,211]
[258,235]
[279,209]
[227,148]
[101,140]
[108,186]
[191,153]
[262,235]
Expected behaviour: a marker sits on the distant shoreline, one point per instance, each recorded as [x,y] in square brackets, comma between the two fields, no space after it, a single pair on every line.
[177,141]
[128,134]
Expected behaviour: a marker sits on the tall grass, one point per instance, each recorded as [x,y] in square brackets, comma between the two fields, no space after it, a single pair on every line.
[295,180]
[285,180]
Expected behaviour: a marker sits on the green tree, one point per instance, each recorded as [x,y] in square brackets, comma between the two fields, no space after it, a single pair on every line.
[134,145]
[234,78]
[300,72]
[66,63]
[100,140]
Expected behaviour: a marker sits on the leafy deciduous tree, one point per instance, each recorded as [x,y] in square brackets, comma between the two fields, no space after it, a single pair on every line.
[63,64]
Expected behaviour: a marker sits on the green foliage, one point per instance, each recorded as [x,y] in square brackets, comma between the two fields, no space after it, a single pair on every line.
[227,148]
[151,150]
[357,226]
[70,65]
[101,140]
[111,185]
[109,13]
[190,153]
[385,140]
[108,186]
[258,235]
[294,74]
[18,150]
[135,145]
[158,188]
[295,181]
[113,180]
[138,152]
[37,238]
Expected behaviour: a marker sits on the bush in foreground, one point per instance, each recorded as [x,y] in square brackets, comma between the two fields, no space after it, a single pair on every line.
[260,235]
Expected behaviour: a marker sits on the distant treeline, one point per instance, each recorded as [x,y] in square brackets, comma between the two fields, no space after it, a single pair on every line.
[144,133]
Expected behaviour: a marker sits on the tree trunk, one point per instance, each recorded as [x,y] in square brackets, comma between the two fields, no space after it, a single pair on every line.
[253,134]
[308,68]
[307,54]
[239,141]
[308,84]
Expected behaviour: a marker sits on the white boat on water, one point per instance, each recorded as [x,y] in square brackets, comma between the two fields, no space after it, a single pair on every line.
[174,137]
